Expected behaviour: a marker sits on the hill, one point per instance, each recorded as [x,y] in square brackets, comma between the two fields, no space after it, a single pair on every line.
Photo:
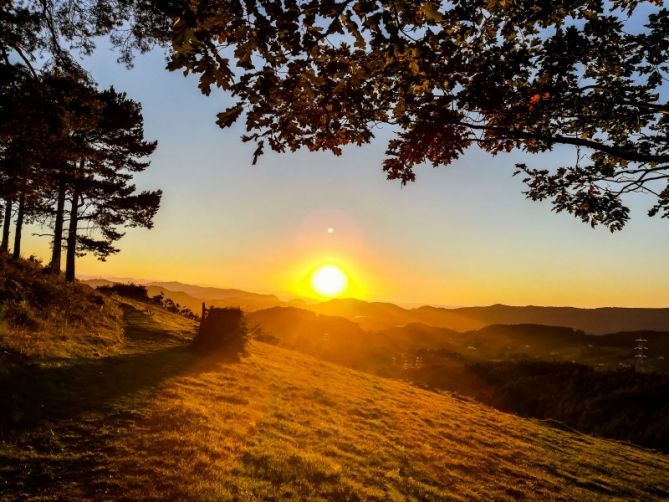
[218,297]
[340,339]
[594,321]
[375,315]
[161,422]
[42,315]
[547,372]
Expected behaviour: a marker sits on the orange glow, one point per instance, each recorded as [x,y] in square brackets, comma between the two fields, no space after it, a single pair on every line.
[329,280]
[325,278]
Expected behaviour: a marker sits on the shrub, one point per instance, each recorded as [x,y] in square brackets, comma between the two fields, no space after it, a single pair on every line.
[222,329]
[132,291]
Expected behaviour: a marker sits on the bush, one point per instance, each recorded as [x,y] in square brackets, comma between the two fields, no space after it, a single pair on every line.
[132,291]
[222,329]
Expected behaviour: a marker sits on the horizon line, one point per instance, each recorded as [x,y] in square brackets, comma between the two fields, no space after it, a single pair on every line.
[407,305]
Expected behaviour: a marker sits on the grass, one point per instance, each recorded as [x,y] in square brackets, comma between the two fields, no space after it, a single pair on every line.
[43,316]
[158,421]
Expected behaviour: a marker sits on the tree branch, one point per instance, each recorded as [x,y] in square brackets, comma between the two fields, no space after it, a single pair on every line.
[568,140]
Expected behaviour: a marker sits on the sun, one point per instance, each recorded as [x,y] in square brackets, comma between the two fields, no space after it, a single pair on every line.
[329,280]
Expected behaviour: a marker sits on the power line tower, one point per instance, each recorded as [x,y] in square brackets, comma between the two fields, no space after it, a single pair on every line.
[640,351]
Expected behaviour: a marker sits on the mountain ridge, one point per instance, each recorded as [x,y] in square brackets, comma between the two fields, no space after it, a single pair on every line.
[376,315]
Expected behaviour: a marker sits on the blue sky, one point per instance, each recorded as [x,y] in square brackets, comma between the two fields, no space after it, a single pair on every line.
[459,235]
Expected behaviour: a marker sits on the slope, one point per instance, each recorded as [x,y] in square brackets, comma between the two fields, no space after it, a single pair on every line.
[41,315]
[163,422]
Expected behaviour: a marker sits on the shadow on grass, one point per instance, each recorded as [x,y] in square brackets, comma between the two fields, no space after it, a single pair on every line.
[143,332]
[32,396]
[57,422]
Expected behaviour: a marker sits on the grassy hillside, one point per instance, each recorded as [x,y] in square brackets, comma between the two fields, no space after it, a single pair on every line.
[160,421]
[623,405]
[41,315]
[525,369]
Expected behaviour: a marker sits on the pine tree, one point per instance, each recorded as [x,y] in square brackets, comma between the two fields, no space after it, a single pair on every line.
[102,196]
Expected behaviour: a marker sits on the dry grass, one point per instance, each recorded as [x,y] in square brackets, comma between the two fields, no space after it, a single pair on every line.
[61,340]
[149,327]
[42,316]
[160,422]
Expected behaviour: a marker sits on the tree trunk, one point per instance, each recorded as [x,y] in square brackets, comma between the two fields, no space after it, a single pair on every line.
[72,235]
[4,246]
[19,226]
[57,248]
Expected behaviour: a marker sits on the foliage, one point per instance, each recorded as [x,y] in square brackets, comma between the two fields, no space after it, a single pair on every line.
[445,76]
[172,306]
[35,30]
[620,404]
[222,329]
[131,290]
[449,75]
[61,137]
[139,293]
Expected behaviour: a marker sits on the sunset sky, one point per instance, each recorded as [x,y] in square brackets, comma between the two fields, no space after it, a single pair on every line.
[462,235]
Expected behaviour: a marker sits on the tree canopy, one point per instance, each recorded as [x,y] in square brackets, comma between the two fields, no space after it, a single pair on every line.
[61,138]
[444,76]
[502,75]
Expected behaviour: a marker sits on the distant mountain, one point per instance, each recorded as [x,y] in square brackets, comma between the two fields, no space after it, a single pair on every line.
[297,326]
[594,321]
[376,315]
[307,331]
[96,283]
[343,341]
[369,315]
[211,293]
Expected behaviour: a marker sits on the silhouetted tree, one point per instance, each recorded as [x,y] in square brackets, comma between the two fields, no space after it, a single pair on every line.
[62,137]
[63,140]
[21,145]
[449,75]
[74,107]
[112,150]
[446,76]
